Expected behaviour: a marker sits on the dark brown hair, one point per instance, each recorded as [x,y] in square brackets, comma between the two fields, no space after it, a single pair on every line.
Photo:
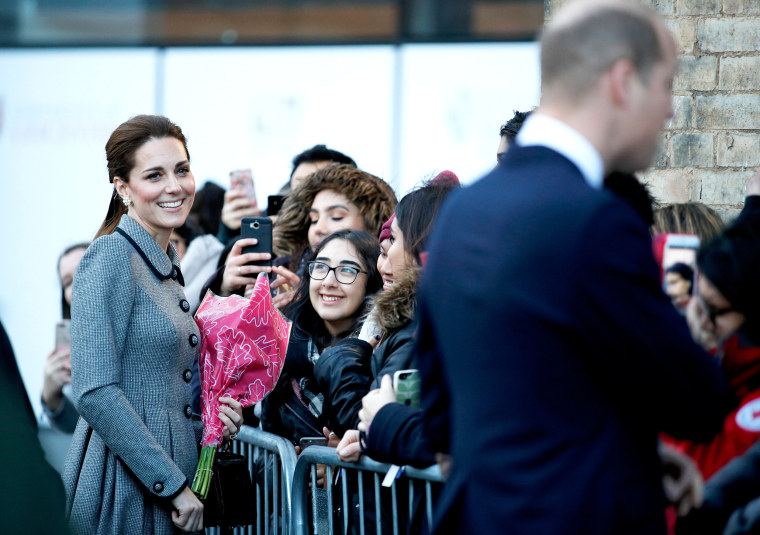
[124,142]
[416,213]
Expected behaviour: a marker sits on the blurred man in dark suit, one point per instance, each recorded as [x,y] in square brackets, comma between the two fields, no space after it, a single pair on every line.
[551,357]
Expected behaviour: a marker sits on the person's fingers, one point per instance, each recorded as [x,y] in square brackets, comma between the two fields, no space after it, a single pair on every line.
[322,476]
[246,211]
[229,426]
[374,340]
[233,416]
[231,402]
[247,258]
[283,299]
[350,453]
[240,203]
[362,426]
[386,384]
[288,275]
[232,194]
[298,450]
[180,519]
[59,357]
[197,521]
[233,259]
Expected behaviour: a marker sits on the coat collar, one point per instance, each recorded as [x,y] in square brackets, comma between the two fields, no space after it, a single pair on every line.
[164,264]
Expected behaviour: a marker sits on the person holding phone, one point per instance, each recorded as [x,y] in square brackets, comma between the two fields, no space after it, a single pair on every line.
[335,197]
[57,406]
[133,346]
[727,308]
[392,315]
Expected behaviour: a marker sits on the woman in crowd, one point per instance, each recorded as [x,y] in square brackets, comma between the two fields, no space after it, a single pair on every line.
[328,307]
[58,409]
[335,197]
[56,403]
[134,343]
[726,314]
[342,368]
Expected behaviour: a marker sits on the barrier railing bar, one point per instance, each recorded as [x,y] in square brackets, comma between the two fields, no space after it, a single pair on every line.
[328,456]
[395,509]
[330,527]
[346,504]
[378,509]
[361,502]
[260,445]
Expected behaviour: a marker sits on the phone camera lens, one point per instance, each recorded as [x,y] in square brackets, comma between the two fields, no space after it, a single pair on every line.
[255,225]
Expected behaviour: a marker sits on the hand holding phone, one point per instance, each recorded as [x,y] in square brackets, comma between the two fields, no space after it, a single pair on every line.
[63,334]
[406,384]
[242,179]
[242,269]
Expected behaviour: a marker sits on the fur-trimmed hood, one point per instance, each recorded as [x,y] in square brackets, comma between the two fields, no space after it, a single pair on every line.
[394,307]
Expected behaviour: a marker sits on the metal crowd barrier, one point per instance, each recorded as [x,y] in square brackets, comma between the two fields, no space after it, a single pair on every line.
[271,462]
[308,515]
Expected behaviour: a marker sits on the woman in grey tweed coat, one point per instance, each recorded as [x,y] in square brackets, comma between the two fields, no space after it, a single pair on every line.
[133,345]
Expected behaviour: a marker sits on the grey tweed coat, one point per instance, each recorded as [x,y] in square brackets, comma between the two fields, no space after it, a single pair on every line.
[133,344]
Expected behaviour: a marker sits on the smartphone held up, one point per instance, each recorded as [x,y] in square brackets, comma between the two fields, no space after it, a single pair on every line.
[242,179]
[261,229]
[678,265]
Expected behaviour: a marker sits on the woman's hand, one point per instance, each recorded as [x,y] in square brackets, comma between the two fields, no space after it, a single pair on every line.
[236,273]
[285,284]
[188,511]
[231,415]
[57,374]
[374,401]
[237,205]
[349,449]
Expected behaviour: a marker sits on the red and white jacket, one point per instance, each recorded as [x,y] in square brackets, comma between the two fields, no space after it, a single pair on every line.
[741,428]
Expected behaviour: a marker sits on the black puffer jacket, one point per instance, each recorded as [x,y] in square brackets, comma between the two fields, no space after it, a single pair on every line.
[293,409]
[346,372]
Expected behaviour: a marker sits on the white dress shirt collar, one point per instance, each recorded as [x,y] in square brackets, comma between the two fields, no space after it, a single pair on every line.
[559,137]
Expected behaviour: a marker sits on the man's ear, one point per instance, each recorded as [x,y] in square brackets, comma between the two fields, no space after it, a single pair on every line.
[121,187]
[622,75]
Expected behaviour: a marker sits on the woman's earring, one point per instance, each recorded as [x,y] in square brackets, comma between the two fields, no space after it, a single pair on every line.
[126,201]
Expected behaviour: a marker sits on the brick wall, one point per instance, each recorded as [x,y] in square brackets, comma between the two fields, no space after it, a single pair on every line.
[712,145]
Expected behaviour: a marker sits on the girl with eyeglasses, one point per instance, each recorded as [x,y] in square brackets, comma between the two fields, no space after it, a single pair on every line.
[328,307]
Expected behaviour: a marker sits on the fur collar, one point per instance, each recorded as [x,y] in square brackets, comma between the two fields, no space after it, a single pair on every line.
[394,307]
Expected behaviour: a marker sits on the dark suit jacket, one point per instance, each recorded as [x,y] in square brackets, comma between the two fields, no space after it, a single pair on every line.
[549,348]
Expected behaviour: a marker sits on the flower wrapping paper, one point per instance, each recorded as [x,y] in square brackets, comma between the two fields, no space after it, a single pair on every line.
[243,347]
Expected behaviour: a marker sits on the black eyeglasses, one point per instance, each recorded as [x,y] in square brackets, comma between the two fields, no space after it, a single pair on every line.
[343,274]
[713,312]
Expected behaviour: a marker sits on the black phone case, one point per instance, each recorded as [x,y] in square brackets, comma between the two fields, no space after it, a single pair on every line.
[261,229]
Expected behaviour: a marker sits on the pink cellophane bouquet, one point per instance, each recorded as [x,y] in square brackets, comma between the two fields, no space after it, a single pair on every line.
[243,348]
